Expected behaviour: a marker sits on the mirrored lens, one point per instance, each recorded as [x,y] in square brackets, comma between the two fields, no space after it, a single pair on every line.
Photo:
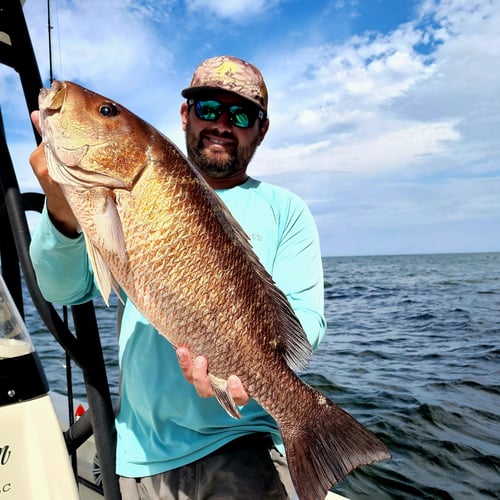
[239,117]
[208,110]
[212,110]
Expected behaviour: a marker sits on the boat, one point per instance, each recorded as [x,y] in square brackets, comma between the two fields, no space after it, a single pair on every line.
[47,451]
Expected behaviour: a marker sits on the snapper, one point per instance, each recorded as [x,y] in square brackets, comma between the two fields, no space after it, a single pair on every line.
[154,228]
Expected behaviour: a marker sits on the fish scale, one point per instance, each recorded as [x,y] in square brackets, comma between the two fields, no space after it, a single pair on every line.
[154,228]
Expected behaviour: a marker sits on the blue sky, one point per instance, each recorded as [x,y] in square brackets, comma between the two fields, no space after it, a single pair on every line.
[385,114]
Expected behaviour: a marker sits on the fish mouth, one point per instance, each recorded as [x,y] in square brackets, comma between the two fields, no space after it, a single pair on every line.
[50,102]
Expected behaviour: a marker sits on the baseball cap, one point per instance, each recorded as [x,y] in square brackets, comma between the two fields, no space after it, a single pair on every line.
[229,74]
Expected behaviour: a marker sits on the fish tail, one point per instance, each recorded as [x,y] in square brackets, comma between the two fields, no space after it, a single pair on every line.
[327,446]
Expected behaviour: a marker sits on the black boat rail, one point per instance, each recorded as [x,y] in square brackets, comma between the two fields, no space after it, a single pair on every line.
[83,346]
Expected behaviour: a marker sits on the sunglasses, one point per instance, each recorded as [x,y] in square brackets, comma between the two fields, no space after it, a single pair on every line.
[239,116]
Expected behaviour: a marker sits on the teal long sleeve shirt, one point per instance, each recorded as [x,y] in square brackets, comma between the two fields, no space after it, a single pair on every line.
[162,423]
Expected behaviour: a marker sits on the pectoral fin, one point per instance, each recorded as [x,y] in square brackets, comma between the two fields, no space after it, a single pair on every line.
[108,226]
[102,275]
[108,233]
[223,397]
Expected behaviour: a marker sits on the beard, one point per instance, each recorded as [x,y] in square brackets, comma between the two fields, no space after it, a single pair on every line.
[218,165]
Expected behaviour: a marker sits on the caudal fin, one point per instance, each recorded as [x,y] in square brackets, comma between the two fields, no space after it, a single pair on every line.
[326,446]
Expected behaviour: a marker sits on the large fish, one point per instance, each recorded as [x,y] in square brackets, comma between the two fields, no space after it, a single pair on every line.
[154,228]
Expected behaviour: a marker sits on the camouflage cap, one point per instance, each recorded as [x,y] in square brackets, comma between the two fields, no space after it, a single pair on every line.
[231,75]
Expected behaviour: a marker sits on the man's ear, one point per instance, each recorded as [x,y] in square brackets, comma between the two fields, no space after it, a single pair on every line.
[184,115]
[263,130]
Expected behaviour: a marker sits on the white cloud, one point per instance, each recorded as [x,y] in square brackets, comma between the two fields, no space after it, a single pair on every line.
[404,145]
[376,103]
[330,88]
[233,9]
[98,43]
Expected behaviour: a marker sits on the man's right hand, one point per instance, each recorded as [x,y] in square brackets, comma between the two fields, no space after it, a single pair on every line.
[196,372]
[60,212]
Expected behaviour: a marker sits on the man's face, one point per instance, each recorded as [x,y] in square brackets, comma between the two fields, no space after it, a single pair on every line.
[218,148]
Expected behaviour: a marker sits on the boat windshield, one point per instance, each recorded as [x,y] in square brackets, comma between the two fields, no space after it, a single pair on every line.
[14,337]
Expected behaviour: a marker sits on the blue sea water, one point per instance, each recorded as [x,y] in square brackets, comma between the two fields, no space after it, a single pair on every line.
[412,351]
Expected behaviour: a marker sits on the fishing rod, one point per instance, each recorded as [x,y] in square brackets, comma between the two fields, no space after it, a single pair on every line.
[49,34]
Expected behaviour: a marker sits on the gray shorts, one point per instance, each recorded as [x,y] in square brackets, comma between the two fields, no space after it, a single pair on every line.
[247,468]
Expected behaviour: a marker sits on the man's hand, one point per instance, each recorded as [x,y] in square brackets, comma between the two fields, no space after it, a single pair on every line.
[196,373]
[59,210]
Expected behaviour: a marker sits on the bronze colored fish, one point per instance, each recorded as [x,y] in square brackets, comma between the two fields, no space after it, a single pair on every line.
[155,228]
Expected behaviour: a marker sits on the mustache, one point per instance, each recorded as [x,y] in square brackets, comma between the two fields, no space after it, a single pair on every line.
[217,133]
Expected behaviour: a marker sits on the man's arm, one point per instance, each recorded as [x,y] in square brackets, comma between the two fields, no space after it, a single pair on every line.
[298,270]
[61,265]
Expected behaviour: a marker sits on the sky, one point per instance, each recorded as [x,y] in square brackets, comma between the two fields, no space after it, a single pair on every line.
[384,114]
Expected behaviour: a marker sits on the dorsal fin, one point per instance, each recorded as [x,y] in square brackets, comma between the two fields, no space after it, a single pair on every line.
[292,343]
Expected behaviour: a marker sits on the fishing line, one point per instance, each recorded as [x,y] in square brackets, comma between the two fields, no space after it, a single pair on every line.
[51,10]
[49,29]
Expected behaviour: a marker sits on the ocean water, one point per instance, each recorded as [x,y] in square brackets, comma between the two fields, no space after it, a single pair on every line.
[412,351]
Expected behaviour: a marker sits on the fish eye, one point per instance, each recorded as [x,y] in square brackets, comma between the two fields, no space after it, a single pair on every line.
[109,110]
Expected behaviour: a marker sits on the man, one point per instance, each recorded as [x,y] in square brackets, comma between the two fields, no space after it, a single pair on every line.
[174,439]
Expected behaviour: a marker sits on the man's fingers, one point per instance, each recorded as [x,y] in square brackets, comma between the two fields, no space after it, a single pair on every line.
[37,161]
[196,372]
[185,363]
[35,118]
[201,381]
[237,391]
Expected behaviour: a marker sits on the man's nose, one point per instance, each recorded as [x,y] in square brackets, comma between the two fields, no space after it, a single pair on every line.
[223,120]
